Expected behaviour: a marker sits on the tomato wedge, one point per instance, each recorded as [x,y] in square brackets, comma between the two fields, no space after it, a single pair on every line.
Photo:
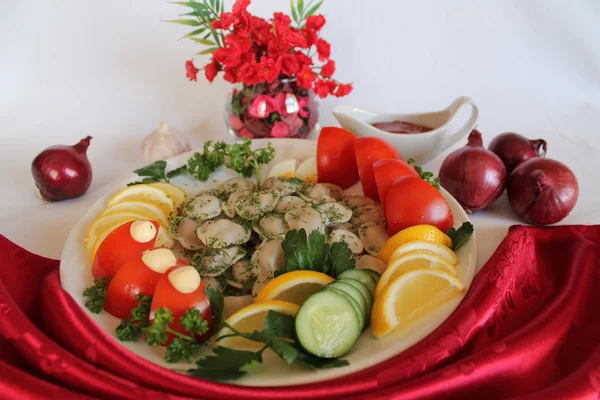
[387,171]
[336,162]
[181,289]
[120,246]
[368,151]
[139,275]
[413,201]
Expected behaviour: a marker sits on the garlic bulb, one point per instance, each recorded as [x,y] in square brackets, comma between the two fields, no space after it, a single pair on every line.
[163,143]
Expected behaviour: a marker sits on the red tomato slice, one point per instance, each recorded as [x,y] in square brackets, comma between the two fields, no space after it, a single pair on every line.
[412,201]
[368,151]
[336,162]
[387,171]
[134,277]
[118,248]
[166,295]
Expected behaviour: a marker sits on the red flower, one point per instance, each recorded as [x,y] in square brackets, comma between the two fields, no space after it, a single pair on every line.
[225,21]
[315,22]
[324,49]
[231,75]
[268,69]
[228,56]
[276,47]
[263,35]
[281,22]
[303,59]
[295,39]
[289,64]
[343,89]
[311,36]
[191,71]
[328,69]
[211,70]
[243,25]
[324,88]
[240,6]
[306,77]
[238,42]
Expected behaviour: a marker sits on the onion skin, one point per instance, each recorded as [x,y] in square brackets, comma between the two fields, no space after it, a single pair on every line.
[473,175]
[514,149]
[63,172]
[542,191]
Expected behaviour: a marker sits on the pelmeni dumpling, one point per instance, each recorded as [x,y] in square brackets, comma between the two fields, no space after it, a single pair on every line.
[203,207]
[236,184]
[213,262]
[368,213]
[272,224]
[321,193]
[367,261]
[223,233]
[373,237]
[305,216]
[267,259]
[257,204]
[183,230]
[347,237]
[228,205]
[286,203]
[354,202]
[285,186]
[335,213]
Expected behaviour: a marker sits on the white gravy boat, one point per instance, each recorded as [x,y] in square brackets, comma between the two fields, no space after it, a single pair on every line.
[422,147]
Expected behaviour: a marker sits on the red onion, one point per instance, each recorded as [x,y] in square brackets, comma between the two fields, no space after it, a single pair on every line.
[513,149]
[474,176]
[542,191]
[63,172]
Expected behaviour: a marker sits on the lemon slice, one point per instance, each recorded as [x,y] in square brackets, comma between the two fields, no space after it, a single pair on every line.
[145,193]
[176,193]
[417,259]
[294,287]
[411,296]
[109,222]
[428,233]
[251,318]
[422,245]
[163,239]
[142,207]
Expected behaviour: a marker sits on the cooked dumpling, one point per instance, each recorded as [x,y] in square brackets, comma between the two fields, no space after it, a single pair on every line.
[223,233]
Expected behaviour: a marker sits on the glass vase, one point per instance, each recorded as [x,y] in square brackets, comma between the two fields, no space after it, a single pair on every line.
[281,109]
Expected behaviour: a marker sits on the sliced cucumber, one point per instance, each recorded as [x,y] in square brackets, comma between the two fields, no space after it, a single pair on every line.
[357,307]
[364,290]
[327,324]
[374,274]
[361,275]
[355,294]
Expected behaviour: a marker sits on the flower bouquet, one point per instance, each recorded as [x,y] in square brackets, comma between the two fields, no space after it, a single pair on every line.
[271,61]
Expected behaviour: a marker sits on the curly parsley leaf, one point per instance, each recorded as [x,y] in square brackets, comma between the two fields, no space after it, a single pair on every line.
[96,294]
[130,330]
[461,235]
[340,259]
[245,161]
[426,175]
[204,163]
[156,172]
[156,334]
[192,322]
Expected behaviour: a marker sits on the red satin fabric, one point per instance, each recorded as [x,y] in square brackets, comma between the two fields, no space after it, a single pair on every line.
[528,328]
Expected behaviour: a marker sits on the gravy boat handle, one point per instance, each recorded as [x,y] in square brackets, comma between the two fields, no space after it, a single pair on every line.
[450,139]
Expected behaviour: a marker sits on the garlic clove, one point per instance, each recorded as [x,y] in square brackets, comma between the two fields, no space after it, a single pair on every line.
[163,143]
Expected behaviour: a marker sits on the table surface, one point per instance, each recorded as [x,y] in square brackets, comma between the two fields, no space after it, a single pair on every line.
[532,67]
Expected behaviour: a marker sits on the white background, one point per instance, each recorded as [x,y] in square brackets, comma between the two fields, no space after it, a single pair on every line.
[113,70]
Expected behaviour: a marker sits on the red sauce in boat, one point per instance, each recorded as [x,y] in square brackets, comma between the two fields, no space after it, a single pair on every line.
[401,127]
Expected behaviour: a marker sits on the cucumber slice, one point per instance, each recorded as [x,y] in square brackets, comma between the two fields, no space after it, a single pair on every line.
[355,294]
[374,274]
[327,325]
[364,290]
[357,307]
[361,275]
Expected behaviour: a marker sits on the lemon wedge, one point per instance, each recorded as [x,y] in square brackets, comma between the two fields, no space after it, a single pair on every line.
[427,233]
[410,296]
[422,245]
[141,207]
[294,287]
[144,192]
[176,193]
[251,318]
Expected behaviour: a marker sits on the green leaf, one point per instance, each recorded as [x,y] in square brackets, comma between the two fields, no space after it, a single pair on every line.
[207,51]
[204,163]
[226,364]
[193,33]
[203,41]
[300,7]
[193,323]
[96,294]
[156,334]
[285,350]
[155,170]
[340,259]
[130,330]
[212,3]
[425,175]
[192,4]
[294,13]
[312,361]
[279,325]
[181,350]
[189,22]
[461,236]
[177,172]
[294,246]
[217,305]
[314,9]
[317,251]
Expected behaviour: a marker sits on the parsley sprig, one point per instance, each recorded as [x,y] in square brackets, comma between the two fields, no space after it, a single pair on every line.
[157,172]
[426,175]
[130,330]
[278,335]
[311,252]
[461,235]
[239,157]
[96,294]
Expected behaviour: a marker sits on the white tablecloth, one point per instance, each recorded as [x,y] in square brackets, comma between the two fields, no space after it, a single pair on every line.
[112,70]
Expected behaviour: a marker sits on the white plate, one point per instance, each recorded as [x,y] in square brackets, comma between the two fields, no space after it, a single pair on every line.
[75,275]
